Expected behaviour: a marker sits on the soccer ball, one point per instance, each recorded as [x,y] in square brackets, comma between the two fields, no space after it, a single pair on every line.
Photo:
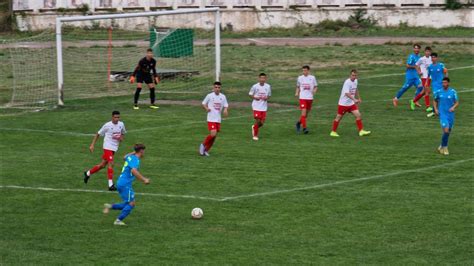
[197,213]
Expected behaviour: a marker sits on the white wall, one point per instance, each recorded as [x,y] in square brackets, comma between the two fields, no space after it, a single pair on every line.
[249,19]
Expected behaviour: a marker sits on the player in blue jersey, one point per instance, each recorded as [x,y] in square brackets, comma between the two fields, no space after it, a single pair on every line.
[124,184]
[412,78]
[445,103]
[437,72]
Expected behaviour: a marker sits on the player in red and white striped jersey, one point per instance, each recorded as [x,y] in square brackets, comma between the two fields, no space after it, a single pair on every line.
[260,93]
[306,87]
[215,103]
[348,102]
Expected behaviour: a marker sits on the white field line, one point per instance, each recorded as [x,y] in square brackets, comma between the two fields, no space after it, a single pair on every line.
[262,194]
[342,182]
[107,192]
[69,133]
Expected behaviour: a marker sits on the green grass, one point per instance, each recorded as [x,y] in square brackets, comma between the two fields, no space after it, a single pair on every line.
[422,217]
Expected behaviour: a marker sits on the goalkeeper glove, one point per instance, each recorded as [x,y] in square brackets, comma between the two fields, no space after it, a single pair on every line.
[132,79]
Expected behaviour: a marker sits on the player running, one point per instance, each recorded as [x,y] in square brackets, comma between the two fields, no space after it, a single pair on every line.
[215,103]
[145,72]
[411,76]
[112,132]
[260,93]
[445,103]
[423,64]
[437,72]
[124,184]
[306,87]
[349,103]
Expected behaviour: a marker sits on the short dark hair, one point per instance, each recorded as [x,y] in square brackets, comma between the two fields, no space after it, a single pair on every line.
[218,83]
[115,113]
[354,71]
[262,75]
[149,50]
[306,67]
[434,54]
[427,48]
[138,147]
[447,79]
[416,45]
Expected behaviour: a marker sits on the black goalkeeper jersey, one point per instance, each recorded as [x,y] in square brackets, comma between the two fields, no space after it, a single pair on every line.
[145,67]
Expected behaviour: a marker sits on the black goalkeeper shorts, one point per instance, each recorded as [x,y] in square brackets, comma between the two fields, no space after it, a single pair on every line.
[144,78]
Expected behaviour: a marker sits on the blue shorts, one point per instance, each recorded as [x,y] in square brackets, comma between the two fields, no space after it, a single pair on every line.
[412,82]
[446,121]
[126,193]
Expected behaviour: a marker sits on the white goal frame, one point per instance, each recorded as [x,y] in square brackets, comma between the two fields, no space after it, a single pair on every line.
[60,20]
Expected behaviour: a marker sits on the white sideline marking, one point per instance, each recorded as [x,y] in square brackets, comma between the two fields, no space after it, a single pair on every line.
[343,181]
[108,192]
[262,194]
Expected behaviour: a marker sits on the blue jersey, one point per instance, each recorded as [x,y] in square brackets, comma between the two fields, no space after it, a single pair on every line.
[436,72]
[126,177]
[412,73]
[446,99]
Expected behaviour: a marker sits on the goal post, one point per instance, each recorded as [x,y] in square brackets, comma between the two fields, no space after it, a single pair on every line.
[61,22]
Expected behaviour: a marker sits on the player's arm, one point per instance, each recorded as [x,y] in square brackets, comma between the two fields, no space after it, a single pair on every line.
[358,96]
[297,92]
[435,105]
[410,64]
[418,69]
[453,108]
[252,95]
[226,111]
[351,97]
[140,176]
[94,140]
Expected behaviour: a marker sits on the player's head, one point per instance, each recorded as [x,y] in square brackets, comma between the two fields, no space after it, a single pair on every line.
[139,150]
[353,74]
[262,78]
[306,69]
[428,51]
[434,58]
[217,87]
[446,82]
[416,48]
[115,117]
[149,53]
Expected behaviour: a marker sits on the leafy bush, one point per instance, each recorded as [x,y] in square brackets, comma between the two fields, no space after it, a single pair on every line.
[358,20]
[453,4]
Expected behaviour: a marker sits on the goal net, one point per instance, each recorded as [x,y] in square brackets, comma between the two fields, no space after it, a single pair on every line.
[94,56]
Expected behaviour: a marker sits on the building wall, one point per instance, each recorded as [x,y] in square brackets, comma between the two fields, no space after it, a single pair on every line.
[241,17]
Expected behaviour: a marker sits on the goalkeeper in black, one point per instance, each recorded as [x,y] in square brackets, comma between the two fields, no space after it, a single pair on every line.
[145,72]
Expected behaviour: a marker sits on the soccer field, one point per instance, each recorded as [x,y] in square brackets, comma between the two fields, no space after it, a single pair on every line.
[287,199]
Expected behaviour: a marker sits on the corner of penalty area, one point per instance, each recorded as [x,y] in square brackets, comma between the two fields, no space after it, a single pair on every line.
[166,43]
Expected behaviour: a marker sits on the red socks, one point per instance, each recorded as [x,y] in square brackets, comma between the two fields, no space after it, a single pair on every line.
[418,97]
[255,129]
[427,100]
[208,142]
[303,121]
[359,124]
[335,124]
[94,169]
[110,173]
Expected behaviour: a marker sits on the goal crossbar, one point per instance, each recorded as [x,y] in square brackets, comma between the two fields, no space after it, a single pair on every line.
[60,20]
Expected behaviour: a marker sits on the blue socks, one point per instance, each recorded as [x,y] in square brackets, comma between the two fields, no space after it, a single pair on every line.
[125,212]
[119,206]
[444,140]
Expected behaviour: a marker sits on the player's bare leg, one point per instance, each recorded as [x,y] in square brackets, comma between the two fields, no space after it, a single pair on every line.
[151,87]
[335,124]
[359,124]
[137,96]
[96,168]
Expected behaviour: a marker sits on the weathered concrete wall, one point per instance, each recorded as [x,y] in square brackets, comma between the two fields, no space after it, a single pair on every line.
[249,19]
